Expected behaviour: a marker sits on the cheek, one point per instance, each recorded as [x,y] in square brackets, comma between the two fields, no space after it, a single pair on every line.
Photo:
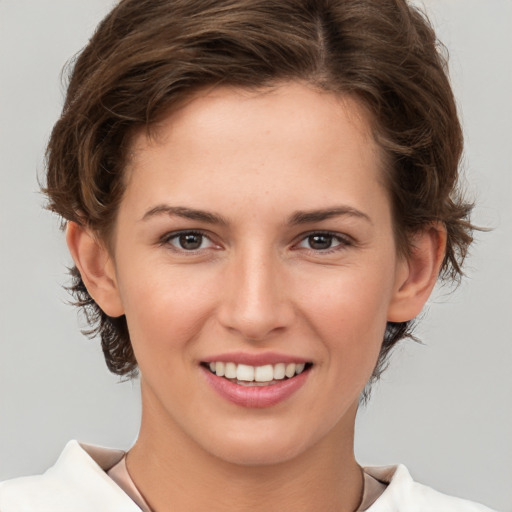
[348,311]
[164,307]
[353,300]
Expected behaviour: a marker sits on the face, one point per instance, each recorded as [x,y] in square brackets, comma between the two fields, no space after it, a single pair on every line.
[255,239]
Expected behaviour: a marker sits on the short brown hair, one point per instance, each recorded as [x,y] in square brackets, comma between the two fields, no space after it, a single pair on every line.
[147,56]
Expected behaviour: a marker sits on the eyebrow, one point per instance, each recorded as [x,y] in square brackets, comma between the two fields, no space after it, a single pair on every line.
[185,213]
[306,217]
[297,218]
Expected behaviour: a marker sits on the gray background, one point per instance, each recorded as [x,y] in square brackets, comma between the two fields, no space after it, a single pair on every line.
[444,408]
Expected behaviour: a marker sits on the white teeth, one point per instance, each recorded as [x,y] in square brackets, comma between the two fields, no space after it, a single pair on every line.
[260,374]
[230,371]
[290,370]
[244,372]
[220,368]
[264,373]
[279,371]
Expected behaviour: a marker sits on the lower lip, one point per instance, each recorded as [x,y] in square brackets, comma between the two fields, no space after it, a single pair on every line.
[255,396]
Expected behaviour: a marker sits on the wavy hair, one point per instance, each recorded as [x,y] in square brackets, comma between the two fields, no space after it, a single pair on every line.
[147,56]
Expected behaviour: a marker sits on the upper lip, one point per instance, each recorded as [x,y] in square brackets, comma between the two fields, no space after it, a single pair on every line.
[255,359]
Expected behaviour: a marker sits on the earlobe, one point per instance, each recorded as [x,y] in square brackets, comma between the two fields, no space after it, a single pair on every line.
[96,268]
[417,274]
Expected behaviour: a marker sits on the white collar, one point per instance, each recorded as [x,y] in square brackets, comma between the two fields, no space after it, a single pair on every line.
[79,482]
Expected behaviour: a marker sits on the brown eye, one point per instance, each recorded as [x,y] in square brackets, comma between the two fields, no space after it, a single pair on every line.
[188,241]
[324,242]
[320,241]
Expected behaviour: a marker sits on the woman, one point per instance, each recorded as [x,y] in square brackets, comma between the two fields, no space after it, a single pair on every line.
[259,197]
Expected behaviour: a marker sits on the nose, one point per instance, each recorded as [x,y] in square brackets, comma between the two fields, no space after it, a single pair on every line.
[255,299]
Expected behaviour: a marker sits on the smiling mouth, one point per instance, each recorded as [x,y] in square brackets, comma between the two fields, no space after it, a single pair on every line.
[266,375]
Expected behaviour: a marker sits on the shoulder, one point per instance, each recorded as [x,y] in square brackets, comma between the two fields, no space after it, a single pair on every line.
[403,494]
[76,482]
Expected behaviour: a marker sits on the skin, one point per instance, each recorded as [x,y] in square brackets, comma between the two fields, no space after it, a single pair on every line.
[255,284]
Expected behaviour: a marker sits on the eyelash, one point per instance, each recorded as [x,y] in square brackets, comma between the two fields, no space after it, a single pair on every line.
[167,239]
[343,241]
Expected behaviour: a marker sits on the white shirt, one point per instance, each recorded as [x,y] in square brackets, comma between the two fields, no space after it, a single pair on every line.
[78,482]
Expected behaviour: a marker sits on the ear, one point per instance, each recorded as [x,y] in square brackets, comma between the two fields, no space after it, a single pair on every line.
[96,268]
[417,273]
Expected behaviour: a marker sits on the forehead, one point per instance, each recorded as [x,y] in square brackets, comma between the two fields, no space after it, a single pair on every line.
[305,110]
[291,136]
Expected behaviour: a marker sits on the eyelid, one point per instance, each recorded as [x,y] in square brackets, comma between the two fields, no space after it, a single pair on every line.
[165,240]
[344,239]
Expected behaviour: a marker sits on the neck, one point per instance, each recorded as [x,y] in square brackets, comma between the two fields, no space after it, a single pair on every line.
[173,473]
